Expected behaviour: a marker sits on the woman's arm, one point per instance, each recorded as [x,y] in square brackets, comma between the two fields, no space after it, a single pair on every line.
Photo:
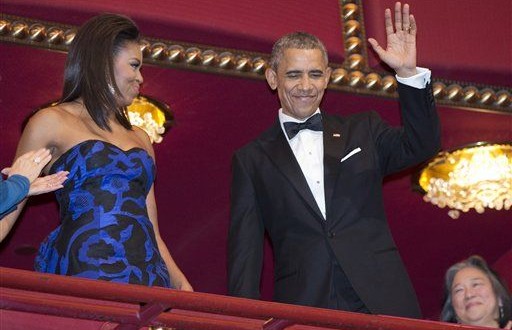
[178,279]
[38,133]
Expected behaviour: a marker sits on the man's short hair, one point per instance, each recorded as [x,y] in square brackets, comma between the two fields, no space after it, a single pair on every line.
[296,40]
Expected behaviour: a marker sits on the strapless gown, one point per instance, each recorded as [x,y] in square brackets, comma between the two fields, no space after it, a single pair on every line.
[105,232]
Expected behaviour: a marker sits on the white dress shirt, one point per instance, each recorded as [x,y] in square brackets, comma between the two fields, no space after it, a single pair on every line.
[308,146]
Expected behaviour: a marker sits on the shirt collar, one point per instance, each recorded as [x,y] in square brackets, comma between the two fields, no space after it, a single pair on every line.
[284,118]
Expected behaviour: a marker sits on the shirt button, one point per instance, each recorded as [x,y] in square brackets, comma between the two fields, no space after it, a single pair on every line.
[331,234]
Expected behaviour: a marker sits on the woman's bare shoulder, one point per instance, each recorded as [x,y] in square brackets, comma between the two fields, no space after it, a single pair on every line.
[48,125]
[59,111]
[44,121]
[144,139]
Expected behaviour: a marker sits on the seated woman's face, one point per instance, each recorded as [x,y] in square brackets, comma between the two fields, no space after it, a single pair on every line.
[473,298]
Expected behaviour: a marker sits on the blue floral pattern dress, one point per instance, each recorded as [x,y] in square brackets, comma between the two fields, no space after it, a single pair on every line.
[105,232]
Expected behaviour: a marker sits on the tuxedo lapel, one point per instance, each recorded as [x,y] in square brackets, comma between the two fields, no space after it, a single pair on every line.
[278,150]
[334,146]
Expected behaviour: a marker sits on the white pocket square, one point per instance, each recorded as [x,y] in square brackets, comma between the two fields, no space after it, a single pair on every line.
[350,154]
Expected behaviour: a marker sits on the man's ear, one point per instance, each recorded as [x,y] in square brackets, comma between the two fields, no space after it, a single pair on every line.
[328,72]
[271,76]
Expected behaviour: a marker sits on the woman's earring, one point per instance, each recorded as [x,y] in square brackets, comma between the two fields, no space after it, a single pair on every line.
[111,89]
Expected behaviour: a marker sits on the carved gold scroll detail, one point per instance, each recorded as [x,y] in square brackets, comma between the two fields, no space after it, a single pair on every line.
[352,76]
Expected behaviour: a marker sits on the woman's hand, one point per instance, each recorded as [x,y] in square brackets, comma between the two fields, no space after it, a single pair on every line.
[29,164]
[182,284]
[48,183]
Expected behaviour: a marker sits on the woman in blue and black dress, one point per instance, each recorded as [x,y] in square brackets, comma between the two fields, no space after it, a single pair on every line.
[109,229]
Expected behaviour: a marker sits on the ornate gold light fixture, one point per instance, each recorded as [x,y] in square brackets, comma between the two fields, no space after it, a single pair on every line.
[475,177]
[150,115]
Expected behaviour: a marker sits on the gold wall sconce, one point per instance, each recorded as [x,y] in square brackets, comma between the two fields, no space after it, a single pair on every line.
[151,115]
[477,176]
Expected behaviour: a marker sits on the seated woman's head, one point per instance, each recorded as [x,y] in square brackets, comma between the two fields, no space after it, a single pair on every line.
[475,295]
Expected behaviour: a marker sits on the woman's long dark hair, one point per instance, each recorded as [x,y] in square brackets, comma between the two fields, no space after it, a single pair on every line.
[500,290]
[89,71]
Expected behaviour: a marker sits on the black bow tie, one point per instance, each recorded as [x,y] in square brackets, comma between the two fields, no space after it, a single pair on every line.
[313,123]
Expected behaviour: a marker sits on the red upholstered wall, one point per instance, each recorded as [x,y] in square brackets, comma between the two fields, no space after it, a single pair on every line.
[216,114]
[468,40]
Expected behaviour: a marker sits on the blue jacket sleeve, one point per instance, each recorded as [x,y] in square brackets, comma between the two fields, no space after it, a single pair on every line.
[12,191]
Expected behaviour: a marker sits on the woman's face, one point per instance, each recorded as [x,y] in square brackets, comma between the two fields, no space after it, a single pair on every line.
[473,298]
[127,64]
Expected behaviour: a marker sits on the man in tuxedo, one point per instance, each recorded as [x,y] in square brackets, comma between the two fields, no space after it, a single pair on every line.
[314,182]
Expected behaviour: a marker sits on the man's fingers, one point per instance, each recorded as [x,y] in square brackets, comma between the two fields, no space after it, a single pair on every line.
[389,22]
[375,45]
[406,24]
[414,28]
[398,16]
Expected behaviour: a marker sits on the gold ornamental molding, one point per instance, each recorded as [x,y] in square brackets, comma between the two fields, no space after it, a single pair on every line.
[356,73]
[352,76]
[166,53]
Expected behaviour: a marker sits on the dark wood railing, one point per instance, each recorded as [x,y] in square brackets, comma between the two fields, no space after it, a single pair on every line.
[41,301]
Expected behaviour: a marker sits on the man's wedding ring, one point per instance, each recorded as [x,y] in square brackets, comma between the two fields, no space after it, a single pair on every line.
[37,160]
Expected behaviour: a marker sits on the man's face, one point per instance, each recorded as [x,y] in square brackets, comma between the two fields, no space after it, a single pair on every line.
[301,78]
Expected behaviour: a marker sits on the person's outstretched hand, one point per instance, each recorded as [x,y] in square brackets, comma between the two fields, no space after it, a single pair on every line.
[400,52]
[29,164]
[48,183]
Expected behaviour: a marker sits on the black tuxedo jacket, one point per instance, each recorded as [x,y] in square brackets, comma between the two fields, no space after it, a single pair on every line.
[269,192]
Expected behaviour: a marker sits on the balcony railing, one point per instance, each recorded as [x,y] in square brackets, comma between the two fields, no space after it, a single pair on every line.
[32,300]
